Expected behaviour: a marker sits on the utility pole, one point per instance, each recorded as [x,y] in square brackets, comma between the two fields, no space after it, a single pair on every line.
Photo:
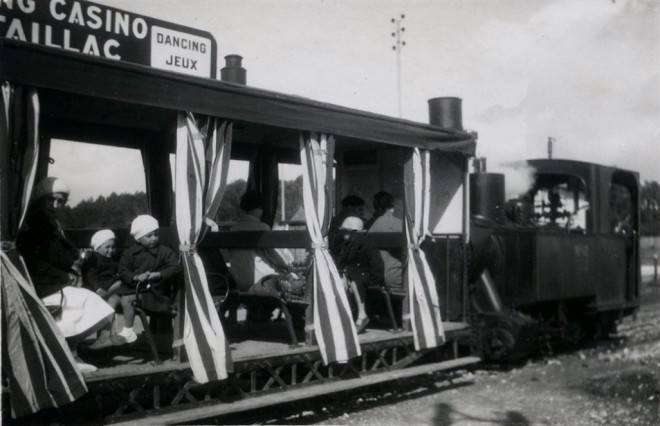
[550,142]
[398,45]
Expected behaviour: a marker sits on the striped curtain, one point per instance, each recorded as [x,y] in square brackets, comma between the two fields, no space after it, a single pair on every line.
[36,360]
[333,322]
[202,164]
[422,294]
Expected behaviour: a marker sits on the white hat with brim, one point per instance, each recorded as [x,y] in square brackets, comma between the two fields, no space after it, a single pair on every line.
[48,186]
[142,225]
[101,237]
[352,223]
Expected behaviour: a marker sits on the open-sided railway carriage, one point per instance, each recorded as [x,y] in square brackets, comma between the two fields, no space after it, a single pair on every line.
[51,93]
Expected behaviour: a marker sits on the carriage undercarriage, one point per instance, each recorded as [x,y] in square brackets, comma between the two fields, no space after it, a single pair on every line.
[265,373]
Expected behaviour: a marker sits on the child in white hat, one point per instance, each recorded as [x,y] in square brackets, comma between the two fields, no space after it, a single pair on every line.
[100,275]
[147,262]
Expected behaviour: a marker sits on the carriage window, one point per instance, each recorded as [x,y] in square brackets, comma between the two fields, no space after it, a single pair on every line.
[290,211]
[230,209]
[621,210]
[107,183]
[560,201]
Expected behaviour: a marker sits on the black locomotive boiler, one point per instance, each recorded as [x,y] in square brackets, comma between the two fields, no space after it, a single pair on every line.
[560,262]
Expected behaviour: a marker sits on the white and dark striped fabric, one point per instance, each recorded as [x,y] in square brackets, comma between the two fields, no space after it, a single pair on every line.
[37,362]
[422,293]
[333,323]
[202,164]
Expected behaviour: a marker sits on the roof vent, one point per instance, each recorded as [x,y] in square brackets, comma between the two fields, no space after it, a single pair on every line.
[233,72]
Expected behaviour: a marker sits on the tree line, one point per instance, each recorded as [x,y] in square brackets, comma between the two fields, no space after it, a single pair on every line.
[118,210]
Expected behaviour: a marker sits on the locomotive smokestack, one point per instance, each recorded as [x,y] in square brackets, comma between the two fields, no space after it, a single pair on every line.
[233,72]
[487,196]
[446,112]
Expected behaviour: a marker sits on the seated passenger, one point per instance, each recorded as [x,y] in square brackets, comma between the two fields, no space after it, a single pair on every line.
[100,272]
[100,275]
[384,220]
[257,270]
[52,261]
[359,263]
[351,205]
[150,263]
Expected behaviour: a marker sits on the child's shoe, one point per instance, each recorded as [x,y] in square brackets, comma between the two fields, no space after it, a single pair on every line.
[128,334]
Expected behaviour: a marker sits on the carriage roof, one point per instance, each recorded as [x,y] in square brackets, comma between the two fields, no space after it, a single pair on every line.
[117,95]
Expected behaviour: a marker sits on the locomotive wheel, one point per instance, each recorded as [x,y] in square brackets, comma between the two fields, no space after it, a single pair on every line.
[497,343]
[506,337]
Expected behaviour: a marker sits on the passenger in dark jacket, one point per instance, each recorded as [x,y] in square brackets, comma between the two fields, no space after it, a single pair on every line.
[148,263]
[359,261]
[351,205]
[49,255]
[101,270]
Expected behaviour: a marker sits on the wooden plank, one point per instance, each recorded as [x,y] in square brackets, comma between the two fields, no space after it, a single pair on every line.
[219,408]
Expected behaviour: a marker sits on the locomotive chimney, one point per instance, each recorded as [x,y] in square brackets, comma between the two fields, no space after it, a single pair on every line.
[233,72]
[487,196]
[446,112]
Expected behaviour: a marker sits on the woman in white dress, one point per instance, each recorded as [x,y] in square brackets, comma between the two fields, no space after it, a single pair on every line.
[53,263]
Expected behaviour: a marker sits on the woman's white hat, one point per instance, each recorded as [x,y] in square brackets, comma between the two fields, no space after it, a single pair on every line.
[48,186]
[352,223]
[142,225]
[101,237]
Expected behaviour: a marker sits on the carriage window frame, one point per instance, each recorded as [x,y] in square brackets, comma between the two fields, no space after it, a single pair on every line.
[573,212]
[68,167]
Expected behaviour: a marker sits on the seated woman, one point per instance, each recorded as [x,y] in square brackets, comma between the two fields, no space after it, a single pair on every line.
[260,271]
[359,263]
[52,261]
[384,220]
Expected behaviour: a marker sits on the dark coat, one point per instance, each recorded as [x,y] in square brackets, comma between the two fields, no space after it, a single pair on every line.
[357,256]
[138,259]
[99,272]
[48,254]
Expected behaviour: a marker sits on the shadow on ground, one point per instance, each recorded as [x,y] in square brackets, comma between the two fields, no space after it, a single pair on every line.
[446,414]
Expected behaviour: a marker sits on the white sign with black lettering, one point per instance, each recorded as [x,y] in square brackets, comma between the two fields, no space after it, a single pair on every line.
[181,52]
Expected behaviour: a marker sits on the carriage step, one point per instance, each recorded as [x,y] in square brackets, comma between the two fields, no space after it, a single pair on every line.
[216,409]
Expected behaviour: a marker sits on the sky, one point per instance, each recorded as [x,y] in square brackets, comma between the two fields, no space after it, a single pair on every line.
[585,73]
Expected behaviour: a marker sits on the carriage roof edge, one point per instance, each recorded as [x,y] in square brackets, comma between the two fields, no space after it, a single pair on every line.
[105,78]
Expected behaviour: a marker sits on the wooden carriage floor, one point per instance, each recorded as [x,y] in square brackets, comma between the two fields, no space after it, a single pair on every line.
[248,342]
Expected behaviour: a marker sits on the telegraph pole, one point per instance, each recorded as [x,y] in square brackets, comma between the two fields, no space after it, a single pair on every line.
[551,140]
[398,45]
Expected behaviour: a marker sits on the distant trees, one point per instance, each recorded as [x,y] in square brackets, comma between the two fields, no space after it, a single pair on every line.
[119,210]
[293,198]
[650,208]
[113,211]
[230,208]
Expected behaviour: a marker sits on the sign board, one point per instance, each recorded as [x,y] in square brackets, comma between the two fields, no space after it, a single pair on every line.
[94,29]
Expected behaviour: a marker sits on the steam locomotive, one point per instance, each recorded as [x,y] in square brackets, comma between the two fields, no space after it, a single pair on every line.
[559,262]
